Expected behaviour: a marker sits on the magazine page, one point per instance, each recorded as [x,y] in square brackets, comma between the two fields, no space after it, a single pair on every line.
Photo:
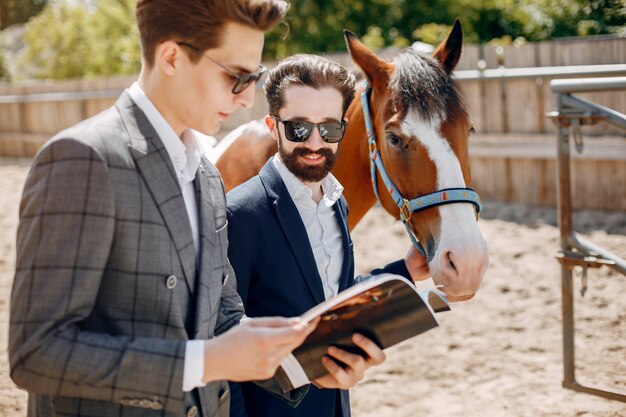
[387,310]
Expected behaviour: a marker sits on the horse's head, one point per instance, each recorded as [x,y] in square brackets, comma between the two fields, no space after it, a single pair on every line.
[422,130]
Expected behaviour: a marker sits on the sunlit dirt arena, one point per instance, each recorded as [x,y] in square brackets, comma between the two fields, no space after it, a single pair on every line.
[496,355]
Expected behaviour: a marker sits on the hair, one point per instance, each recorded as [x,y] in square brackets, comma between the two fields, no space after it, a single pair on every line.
[423,85]
[308,70]
[200,23]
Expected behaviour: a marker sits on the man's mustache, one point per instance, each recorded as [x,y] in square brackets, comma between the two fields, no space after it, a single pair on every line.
[327,153]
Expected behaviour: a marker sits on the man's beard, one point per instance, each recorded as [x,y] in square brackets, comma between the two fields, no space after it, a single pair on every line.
[308,173]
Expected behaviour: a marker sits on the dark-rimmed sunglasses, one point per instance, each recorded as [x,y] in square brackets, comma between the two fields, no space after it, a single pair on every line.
[299,131]
[243,80]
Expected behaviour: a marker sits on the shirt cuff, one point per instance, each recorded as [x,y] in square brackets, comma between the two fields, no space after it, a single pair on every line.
[194,365]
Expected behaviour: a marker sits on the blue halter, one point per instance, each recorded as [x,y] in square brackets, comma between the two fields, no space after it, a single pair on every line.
[408,207]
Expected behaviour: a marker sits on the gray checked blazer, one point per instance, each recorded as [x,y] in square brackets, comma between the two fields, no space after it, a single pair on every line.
[106,290]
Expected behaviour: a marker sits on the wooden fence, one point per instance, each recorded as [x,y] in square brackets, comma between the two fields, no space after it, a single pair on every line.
[522,169]
[513,153]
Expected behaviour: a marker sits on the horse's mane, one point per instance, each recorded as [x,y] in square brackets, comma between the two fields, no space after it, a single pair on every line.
[420,83]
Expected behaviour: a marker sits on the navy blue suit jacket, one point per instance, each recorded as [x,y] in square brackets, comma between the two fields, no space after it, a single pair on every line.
[277,275]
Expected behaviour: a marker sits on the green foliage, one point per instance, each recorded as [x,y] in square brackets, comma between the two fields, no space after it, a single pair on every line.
[116,47]
[58,43]
[538,20]
[71,40]
[603,16]
[315,26]
[432,33]
[374,38]
[86,38]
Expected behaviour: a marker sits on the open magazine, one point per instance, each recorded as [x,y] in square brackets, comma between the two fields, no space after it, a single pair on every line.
[386,308]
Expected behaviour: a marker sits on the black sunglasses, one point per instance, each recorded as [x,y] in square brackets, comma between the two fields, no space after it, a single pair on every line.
[243,80]
[298,131]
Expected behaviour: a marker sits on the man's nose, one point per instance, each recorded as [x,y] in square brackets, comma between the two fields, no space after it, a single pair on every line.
[246,98]
[315,141]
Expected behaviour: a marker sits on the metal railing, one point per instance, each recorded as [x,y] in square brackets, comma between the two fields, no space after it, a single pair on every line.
[542,72]
[576,252]
[485,118]
[469,75]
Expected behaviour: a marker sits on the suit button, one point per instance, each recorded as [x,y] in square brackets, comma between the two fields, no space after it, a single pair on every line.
[192,411]
[171,281]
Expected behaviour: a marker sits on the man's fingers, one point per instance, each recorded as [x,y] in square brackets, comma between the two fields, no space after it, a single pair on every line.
[376,355]
[289,337]
[417,264]
[337,372]
[354,361]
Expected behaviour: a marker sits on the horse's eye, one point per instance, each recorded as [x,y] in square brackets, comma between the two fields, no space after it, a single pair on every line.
[472,130]
[393,139]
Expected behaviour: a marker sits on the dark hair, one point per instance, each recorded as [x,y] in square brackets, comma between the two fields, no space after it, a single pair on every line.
[310,70]
[422,84]
[200,22]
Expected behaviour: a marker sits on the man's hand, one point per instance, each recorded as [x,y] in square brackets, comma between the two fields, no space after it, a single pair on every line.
[417,264]
[253,349]
[344,378]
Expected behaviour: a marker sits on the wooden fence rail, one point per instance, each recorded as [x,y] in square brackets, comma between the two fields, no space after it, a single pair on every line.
[512,156]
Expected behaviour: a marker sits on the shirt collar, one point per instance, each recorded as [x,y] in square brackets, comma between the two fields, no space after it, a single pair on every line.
[296,188]
[185,152]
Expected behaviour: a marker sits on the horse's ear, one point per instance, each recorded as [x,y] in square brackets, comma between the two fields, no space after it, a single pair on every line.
[449,52]
[377,70]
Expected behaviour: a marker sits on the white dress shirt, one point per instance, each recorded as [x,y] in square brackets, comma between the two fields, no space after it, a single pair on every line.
[321,223]
[185,154]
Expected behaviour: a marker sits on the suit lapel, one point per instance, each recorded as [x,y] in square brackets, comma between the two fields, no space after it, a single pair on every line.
[208,211]
[341,213]
[157,171]
[291,223]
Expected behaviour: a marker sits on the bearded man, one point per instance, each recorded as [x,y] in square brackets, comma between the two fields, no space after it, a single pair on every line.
[287,227]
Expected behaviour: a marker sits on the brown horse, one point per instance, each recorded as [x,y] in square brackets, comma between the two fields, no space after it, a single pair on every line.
[421,132]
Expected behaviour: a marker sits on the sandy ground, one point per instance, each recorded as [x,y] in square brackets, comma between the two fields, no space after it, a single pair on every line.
[496,355]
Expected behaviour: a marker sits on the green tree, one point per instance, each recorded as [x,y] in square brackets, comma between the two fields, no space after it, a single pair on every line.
[602,16]
[58,43]
[85,38]
[432,33]
[115,42]
[315,26]
[81,39]
[538,20]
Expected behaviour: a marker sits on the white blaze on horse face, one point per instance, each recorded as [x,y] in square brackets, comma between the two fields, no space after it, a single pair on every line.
[460,259]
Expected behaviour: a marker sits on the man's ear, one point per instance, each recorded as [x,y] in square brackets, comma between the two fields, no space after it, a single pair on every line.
[270,122]
[166,55]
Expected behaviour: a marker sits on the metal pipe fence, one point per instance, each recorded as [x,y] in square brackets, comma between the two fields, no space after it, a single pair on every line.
[576,252]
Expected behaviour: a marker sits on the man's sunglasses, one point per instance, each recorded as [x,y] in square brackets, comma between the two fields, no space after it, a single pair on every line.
[298,131]
[243,80]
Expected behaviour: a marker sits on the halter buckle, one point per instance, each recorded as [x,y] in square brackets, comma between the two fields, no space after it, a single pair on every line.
[405,211]
[372,146]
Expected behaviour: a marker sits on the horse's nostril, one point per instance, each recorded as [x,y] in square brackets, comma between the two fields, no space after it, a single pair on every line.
[450,261]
